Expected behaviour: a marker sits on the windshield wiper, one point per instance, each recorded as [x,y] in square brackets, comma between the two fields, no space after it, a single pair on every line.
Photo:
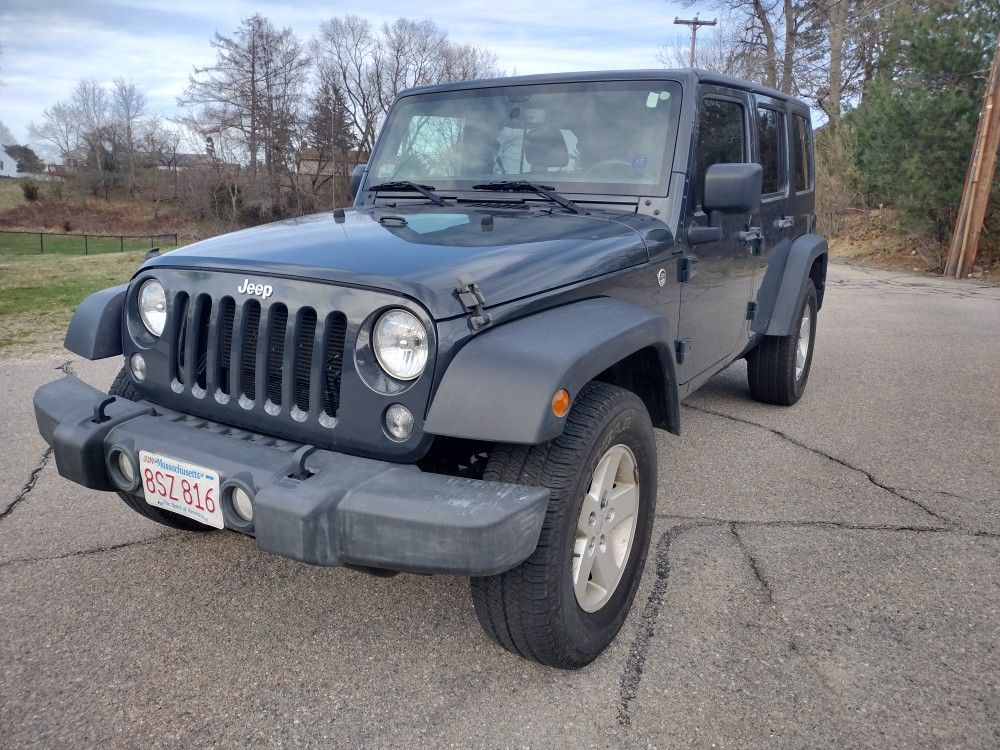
[425,190]
[521,186]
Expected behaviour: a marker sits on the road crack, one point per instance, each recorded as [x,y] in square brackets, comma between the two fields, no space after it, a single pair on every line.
[767,595]
[28,486]
[895,491]
[88,551]
[754,566]
[632,673]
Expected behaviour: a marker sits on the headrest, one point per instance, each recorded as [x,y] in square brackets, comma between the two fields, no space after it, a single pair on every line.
[545,148]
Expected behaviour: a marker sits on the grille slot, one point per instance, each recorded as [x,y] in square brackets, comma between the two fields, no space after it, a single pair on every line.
[180,315]
[333,362]
[227,317]
[248,353]
[275,352]
[203,315]
[303,356]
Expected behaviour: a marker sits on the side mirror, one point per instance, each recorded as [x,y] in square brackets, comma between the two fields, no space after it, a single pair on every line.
[728,189]
[356,175]
[732,188]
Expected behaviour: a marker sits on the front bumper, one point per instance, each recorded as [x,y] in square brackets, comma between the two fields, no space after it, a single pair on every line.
[343,510]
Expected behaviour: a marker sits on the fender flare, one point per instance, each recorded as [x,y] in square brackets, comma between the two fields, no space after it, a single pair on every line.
[499,387]
[95,330]
[783,286]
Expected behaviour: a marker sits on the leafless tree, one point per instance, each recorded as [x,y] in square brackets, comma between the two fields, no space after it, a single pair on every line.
[128,107]
[6,137]
[371,68]
[93,110]
[721,51]
[252,96]
[59,130]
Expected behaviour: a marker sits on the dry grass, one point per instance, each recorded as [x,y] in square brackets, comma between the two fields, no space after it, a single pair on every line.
[38,295]
[11,194]
[875,238]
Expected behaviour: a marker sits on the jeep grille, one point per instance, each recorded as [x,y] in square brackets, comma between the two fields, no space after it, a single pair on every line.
[287,359]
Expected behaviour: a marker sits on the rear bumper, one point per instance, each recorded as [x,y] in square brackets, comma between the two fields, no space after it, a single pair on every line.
[343,510]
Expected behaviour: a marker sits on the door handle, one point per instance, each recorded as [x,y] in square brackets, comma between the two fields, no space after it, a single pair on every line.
[785,222]
[754,237]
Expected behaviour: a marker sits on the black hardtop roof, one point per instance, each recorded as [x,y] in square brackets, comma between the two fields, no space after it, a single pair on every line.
[686,76]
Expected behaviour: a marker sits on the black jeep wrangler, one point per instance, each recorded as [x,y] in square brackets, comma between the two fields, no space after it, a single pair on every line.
[461,374]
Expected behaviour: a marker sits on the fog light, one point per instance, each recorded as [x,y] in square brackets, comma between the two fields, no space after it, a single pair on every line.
[241,503]
[125,467]
[398,422]
[138,365]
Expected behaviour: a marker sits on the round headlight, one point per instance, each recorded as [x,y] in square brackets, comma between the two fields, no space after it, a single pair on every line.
[153,306]
[400,341]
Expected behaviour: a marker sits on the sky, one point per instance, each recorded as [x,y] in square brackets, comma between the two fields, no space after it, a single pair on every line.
[48,45]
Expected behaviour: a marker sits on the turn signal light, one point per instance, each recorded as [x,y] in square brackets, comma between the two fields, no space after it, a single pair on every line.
[560,402]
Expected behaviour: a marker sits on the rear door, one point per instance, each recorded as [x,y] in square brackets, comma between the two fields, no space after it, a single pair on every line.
[802,171]
[713,325]
[777,222]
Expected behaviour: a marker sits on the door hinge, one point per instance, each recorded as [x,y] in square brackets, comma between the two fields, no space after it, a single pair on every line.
[473,302]
[687,267]
[681,348]
[751,310]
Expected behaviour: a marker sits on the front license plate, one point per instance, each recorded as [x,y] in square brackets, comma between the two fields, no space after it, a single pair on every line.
[182,488]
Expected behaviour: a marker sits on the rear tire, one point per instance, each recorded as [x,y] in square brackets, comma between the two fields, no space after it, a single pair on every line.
[544,609]
[122,386]
[778,368]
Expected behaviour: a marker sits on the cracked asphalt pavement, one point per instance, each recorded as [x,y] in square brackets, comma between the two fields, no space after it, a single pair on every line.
[825,575]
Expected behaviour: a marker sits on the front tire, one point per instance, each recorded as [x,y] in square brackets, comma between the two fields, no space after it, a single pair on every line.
[122,386]
[778,367]
[565,603]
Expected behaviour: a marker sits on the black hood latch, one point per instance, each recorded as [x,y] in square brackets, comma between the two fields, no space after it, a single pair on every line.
[473,303]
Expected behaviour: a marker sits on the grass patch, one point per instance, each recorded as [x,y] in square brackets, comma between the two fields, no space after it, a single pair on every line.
[38,294]
[33,243]
[10,193]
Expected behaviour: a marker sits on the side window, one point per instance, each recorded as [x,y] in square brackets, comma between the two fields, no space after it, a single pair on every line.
[771,148]
[802,153]
[721,138]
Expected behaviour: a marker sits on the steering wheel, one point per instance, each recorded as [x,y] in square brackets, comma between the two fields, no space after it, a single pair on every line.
[618,163]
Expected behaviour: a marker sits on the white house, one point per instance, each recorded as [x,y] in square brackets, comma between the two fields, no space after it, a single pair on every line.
[8,165]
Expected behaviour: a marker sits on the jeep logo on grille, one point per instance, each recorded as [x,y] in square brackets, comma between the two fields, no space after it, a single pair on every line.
[258,290]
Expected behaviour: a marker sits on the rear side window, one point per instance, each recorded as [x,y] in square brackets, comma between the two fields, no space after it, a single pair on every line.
[802,153]
[721,138]
[771,148]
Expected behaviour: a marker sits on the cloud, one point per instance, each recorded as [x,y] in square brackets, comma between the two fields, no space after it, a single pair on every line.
[51,44]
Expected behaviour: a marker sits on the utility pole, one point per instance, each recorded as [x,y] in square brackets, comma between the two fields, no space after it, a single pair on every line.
[978,180]
[694,23]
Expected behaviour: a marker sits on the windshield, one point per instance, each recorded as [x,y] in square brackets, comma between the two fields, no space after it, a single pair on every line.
[612,137]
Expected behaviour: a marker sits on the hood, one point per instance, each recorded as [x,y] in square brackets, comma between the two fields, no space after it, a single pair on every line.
[422,251]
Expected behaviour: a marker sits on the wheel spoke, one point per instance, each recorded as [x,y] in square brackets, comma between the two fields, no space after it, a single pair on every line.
[591,505]
[583,571]
[605,570]
[604,475]
[623,502]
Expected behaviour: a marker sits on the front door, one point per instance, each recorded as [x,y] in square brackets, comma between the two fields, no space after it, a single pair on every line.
[713,324]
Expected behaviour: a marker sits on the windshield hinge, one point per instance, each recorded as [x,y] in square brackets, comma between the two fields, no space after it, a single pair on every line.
[473,303]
